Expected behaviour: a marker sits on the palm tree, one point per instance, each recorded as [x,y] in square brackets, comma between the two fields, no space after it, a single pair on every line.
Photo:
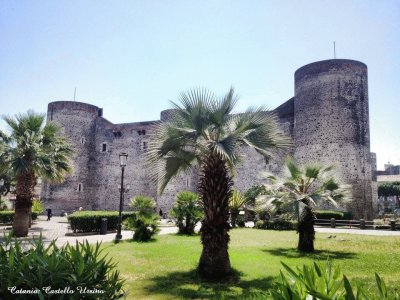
[303,189]
[144,221]
[32,150]
[187,211]
[236,203]
[204,133]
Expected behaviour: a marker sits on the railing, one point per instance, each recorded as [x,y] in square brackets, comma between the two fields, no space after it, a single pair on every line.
[361,224]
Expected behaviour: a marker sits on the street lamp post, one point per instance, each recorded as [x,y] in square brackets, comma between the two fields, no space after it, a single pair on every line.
[1,187]
[122,162]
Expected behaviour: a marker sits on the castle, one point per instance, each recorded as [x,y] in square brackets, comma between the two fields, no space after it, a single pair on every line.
[327,119]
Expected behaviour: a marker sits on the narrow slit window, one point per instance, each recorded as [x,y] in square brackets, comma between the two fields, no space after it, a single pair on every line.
[80,187]
[144,146]
[83,140]
[187,182]
[104,147]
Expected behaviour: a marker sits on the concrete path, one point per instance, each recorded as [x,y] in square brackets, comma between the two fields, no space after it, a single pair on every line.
[57,228]
[358,231]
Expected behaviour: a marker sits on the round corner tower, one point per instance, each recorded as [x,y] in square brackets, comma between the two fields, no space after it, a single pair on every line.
[78,121]
[331,124]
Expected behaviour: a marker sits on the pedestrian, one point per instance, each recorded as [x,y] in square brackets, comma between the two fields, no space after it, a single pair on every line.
[49,215]
[160,213]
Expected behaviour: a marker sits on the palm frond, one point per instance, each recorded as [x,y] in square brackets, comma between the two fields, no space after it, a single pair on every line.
[201,125]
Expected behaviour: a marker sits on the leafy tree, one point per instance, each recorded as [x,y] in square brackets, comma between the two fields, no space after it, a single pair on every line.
[144,221]
[251,194]
[6,184]
[204,133]
[32,150]
[255,191]
[187,211]
[303,189]
[388,189]
[236,203]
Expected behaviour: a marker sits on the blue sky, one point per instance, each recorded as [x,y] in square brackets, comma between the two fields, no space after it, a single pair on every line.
[131,57]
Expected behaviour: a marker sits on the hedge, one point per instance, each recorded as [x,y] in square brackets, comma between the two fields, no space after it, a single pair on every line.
[278,224]
[90,221]
[328,214]
[7,216]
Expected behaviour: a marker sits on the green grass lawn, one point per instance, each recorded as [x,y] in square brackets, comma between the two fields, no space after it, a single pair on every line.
[164,268]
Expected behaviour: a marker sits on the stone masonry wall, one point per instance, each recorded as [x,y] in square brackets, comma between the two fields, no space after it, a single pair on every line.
[332,124]
[327,119]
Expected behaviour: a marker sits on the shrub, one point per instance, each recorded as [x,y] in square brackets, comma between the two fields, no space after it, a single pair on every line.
[90,221]
[79,266]
[7,216]
[276,224]
[143,221]
[324,282]
[187,211]
[34,215]
[328,214]
[4,204]
[37,206]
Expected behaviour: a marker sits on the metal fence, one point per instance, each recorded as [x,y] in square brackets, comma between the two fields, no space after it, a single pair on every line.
[361,224]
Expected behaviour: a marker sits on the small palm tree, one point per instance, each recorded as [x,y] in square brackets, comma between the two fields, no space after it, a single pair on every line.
[32,150]
[144,221]
[187,211]
[303,189]
[204,133]
[236,203]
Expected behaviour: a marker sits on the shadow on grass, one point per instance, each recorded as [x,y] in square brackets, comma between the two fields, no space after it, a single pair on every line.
[321,254]
[190,285]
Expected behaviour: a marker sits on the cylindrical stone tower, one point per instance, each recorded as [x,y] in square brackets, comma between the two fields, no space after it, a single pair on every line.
[331,124]
[78,123]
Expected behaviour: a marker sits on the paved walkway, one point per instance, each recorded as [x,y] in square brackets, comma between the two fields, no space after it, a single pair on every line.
[57,228]
[358,231]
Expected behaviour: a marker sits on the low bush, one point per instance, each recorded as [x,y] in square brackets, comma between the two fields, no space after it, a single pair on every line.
[37,206]
[90,221]
[324,282]
[34,215]
[277,224]
[328,214]
[7,216]
[36,267]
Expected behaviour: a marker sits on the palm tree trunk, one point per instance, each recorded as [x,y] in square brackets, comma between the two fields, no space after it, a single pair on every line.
[306,230]
[23,203]
[215,190]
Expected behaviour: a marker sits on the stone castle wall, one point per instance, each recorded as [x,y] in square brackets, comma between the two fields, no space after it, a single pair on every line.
[327,119]
[331,124]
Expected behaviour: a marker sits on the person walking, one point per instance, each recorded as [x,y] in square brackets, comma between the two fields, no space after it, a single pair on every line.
[49,215]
